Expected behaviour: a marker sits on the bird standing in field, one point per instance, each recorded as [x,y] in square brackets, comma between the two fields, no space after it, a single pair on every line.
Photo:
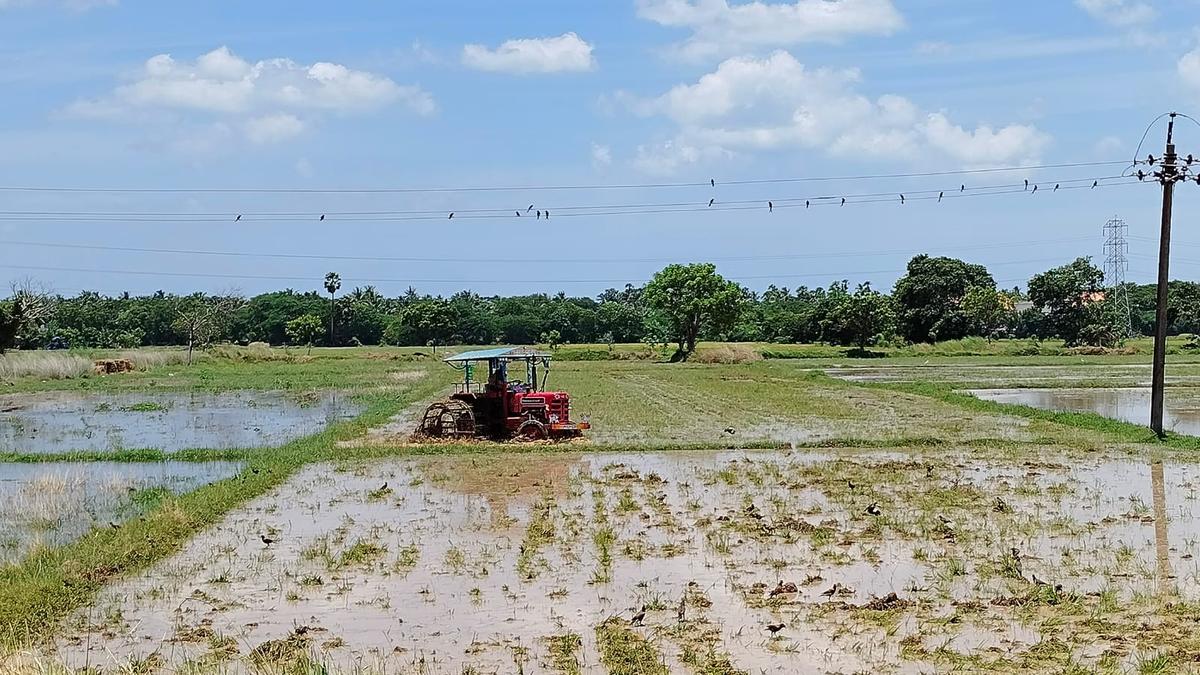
[384,487]
[775,627]
[874,510]
[639,617]
[730,430]
[267,541]
[832,590]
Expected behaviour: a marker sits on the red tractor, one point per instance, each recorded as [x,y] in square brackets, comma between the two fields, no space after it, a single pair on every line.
[500,408]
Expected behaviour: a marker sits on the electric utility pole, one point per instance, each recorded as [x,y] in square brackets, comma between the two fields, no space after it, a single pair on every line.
[1169,172]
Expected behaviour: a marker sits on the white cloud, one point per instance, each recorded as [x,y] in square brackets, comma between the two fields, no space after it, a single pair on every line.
[1189,68]
[719,28]
[1119,12]
[562,54]
[273,128]
[1109,147]
[267,99]
[601,155]
[749,104]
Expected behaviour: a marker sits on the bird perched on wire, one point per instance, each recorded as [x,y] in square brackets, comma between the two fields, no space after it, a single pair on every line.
[843,201]
[1026,183]
[451,217]
[322,216]
[770,207]
[712,182]
[901,198]
[874,510]
[806,204]
[962,188]
[239,217]
[547,214]
[539,215]
[518,213]
[1034,189]
[529,209]
[940,197]
[1095,183]
[1055,188]
[711,201]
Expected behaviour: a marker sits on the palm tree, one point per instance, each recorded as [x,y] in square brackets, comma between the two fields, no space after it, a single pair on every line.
[333,281]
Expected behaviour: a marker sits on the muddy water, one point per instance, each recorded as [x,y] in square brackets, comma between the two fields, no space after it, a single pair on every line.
[53,504]
[427,565]
[58,422]
[1181,409]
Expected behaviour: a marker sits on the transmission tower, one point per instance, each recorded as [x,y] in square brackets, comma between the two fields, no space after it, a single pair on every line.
[1116,263]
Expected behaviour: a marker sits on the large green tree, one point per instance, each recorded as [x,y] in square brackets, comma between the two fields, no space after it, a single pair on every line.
[861,318]
[1073,300]
[929,297]
[692,299]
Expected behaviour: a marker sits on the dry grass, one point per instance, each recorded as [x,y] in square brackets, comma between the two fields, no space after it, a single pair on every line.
[149,359]
[256,352]
[729,353]
[43,365]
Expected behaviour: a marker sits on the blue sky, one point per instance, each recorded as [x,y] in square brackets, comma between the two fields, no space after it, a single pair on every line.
[384,95]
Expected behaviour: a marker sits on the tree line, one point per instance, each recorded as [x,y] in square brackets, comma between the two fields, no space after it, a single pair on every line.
[938,298]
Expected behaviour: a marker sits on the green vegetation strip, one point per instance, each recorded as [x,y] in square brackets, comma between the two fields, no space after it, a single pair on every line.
[47,585]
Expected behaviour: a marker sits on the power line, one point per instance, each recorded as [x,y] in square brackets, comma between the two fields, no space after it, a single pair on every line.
[408,259]
[523,188]
[508,211]
[636,210]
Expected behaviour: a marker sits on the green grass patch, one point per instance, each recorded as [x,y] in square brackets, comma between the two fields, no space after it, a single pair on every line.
[624,652]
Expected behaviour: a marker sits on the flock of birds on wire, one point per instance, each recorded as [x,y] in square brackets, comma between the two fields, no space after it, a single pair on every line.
[539,214]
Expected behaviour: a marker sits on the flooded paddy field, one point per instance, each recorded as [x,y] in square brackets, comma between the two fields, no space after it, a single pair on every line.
[734,561]
[56,422]
[1181,407]
[1018,375]
[54,504]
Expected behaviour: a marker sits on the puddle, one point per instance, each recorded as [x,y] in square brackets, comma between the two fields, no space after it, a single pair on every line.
[468,564]
[1181,411]
[54,504]
[56,422]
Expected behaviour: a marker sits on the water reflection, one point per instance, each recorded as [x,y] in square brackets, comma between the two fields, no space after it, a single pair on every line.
[1158,495]
[1181,414]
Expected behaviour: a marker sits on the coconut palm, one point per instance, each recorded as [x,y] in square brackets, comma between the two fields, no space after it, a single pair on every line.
[333,281]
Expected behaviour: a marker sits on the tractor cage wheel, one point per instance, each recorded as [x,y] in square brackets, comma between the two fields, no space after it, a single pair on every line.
[532,430]
[450,418]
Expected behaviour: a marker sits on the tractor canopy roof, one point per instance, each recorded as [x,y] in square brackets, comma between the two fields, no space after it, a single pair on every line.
[500,353]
